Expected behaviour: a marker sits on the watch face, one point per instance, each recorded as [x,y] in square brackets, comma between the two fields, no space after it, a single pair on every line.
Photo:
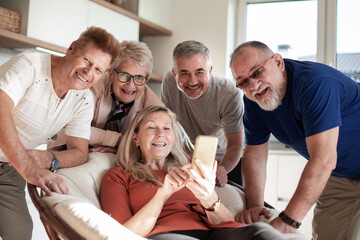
[56,164]
[214,207]
[217,206]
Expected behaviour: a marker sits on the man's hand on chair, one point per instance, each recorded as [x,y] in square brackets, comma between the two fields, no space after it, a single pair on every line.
[50,182]
[221,176]
[252,214]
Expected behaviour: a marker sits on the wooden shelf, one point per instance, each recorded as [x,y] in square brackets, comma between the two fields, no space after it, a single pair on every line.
[11,40]
[147,28]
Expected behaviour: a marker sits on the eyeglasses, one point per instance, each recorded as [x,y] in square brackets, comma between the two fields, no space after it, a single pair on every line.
[255,75]
[125,77]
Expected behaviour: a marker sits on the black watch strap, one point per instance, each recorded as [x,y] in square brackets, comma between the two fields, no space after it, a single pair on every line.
[288,220]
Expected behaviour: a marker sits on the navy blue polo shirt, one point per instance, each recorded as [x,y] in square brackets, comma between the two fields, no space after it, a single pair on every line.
[317,99]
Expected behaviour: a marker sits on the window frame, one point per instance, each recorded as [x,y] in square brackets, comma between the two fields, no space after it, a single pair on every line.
[326,27]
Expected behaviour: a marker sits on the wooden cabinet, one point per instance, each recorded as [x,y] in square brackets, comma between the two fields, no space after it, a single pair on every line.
[54,24]
[284,169]
[121,26]
[55,21]
[147,28]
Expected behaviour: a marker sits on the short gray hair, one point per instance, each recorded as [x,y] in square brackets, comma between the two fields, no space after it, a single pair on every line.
[254,44]
[190,48]
[137,52]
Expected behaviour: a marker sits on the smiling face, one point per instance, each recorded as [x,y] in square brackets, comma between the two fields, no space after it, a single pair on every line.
[84,67]
[261,76]
[192,75]
[128,92]
[155,137]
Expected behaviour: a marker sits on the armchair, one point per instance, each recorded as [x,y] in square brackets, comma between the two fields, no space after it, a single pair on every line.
[78,215]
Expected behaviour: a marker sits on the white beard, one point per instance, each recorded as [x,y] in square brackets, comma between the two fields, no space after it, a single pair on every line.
[271,102]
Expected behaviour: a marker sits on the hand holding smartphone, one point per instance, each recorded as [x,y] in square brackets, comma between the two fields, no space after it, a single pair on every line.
[205,151]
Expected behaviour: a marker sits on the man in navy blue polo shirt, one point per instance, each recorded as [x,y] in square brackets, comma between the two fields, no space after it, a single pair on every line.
[314,109]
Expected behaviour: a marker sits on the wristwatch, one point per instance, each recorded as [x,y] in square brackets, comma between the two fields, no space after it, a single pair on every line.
[54,162]
[288,220]
[214,207]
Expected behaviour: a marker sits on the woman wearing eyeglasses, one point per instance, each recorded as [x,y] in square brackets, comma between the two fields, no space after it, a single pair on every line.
[121,95]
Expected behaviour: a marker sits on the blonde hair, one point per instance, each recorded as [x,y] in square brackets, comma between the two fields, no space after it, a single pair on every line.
[129,155]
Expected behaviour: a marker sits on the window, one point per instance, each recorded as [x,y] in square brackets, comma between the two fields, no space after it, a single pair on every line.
[348,37]
[317,26]
[284,27]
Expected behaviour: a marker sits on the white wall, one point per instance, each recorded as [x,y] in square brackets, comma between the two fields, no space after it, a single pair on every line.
[57,22]
[202,20]
[156,11]
[6,54]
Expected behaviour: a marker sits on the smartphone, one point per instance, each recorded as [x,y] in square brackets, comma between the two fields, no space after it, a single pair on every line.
[205,151]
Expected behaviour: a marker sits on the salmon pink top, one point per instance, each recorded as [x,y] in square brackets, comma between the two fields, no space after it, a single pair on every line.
[122,196]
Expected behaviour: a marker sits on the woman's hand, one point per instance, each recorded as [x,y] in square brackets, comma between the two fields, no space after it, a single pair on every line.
[143,222]
[174,181]
[202,187]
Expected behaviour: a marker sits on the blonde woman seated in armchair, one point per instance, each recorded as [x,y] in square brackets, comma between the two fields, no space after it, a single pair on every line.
[155,193]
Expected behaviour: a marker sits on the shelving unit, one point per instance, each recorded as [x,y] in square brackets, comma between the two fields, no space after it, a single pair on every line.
[147,28]
[10,39]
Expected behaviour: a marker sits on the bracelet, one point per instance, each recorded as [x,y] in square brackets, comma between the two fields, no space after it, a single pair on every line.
[214,207]
[54,162]
[288,220]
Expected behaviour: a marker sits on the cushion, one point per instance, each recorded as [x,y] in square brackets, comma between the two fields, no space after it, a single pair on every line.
[232,197]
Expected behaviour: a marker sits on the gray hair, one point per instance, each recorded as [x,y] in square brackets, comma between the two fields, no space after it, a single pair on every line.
[190,48]
[254,44]
[137,52]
